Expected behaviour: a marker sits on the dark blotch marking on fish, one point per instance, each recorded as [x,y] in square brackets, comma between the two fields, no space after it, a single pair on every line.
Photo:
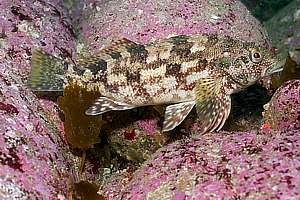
[112,88]
[155,64]
[182,50]
[100,65]
[173,69]
[248,45]
[102,78]
[212,40]
[133,76]
[180,39]
[202,63]
[78,70]
[244,59]
[115,55]
[138,53]
[228,44]
[141,91]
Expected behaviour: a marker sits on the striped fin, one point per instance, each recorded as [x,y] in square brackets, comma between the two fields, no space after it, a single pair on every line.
[104,104]
[212,104]
[175,114]
[47,72]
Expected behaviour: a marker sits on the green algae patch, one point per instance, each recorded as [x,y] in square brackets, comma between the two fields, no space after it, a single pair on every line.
[81,131]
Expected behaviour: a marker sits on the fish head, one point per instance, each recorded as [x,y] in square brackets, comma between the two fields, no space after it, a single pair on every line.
[252,62]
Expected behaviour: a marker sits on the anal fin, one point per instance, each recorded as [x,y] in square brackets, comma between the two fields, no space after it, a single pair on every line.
[104,104]
[176,113]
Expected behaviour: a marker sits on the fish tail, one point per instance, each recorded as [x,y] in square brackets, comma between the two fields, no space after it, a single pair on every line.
[47,72]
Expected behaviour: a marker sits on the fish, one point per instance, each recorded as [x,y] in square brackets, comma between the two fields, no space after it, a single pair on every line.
[183,72]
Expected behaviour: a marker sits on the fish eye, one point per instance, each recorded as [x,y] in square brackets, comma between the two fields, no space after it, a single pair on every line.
[255,56]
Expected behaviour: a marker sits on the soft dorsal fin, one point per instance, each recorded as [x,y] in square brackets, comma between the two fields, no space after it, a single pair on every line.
[212,104]
[118,48]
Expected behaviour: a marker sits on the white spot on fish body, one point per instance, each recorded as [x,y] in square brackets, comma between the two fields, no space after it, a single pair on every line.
[126,91]
[197,47]
[187,65]
[152,89]
[165,54]
[150,73]
[196,76]
[169,83]
[113,78]
[152,54]
[226,54]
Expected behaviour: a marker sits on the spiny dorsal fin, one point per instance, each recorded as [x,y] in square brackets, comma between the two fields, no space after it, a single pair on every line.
[176,113]
[212,104]
[47,72]
[104,104]
[113,51]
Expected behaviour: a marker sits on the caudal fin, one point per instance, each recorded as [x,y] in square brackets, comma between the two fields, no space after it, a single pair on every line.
[47,72]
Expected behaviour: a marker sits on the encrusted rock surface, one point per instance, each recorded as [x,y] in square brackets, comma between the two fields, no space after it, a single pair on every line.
[284,30]
[35,162]
[283,111]
[145,21]
[240,165]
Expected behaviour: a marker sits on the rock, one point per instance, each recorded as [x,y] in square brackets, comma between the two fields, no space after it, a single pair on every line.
[145,21]
[284,30]
[242,165]
[283,111]
[265,9]
[35,162]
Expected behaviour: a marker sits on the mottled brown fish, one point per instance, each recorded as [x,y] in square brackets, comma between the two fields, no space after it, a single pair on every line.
[184,71]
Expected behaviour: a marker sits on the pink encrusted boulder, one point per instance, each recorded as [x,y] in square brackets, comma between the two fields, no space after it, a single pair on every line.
[283,111]
[241,165]
[35,162]
[284,31]
[146,21]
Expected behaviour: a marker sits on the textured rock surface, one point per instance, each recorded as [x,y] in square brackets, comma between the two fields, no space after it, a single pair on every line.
[35,162]
[283,111]
[243,165]
[284,29]
[145,21]
[265,9]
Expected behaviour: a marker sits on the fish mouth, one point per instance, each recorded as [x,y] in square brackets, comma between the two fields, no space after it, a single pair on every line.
[277,66]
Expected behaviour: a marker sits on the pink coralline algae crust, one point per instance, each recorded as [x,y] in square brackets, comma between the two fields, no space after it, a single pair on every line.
[149,126]
[145,21]
[243,165]
[35,162]
[283,111]
[137,145]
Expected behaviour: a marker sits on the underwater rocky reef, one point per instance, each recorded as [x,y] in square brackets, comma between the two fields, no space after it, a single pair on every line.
[51,150]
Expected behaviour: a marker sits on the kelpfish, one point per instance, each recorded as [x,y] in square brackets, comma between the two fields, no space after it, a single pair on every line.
[181,71]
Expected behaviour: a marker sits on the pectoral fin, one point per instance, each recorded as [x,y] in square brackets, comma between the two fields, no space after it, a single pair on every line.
[104,104]
[175,114]
[212,104]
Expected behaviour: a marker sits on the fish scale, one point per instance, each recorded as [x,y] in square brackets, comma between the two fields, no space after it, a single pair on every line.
[201,70]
